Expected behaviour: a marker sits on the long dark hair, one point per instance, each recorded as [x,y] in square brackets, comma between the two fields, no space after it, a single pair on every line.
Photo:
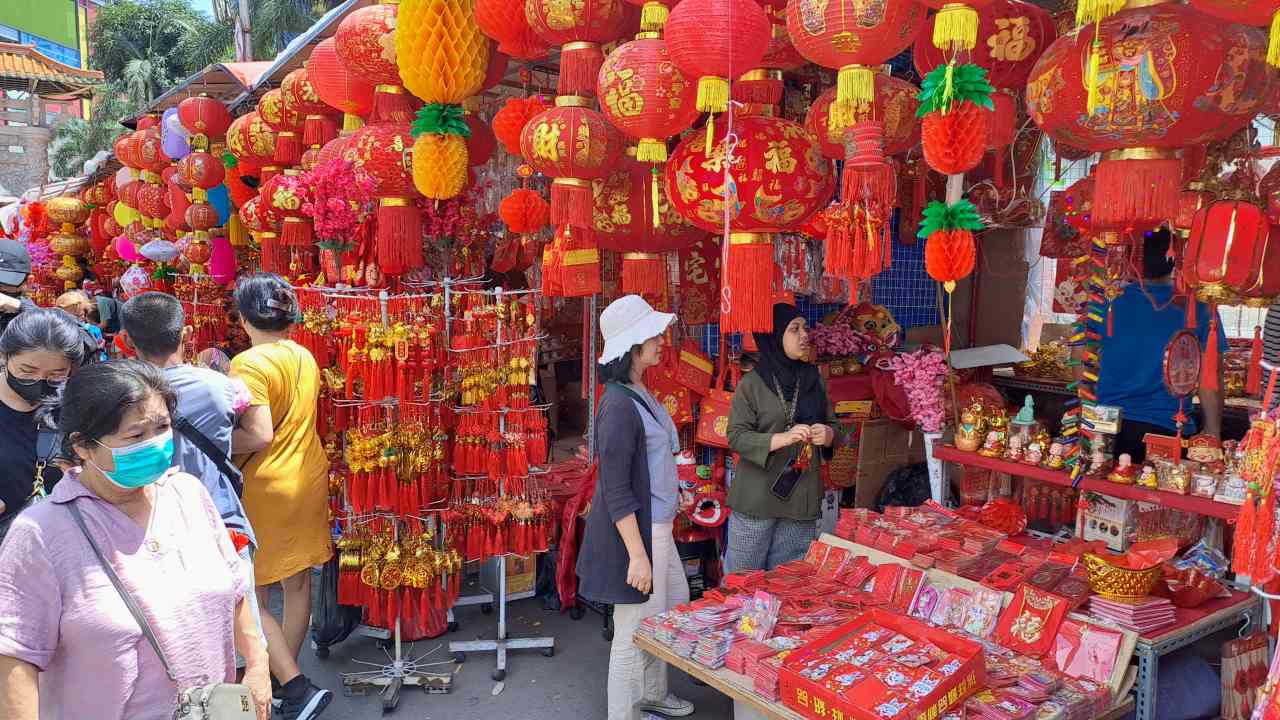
[617,370]
[266,301]
[94,400]
[50,330]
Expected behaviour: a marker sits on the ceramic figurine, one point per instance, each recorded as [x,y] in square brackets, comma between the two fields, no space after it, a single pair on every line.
[1014,451]
[1097,462]
[969,432]
[1055,460]
[1204,449]
[1125,471]
[997,435]
[1148,477]
[1025,421]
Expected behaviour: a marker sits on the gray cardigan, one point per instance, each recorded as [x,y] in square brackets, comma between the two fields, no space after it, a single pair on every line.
[622,488]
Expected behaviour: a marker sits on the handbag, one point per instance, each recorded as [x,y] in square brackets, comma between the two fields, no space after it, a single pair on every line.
[694,369]
[670,394]
[215,701]
[47,443]
[713,411]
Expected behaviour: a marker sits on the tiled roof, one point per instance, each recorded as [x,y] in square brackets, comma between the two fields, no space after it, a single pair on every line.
[20,65]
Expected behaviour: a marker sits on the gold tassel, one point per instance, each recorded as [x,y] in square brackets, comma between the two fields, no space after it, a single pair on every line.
[713,94]
[856,87]
[653,197]
[351,122]
[1273,50]
[711,128]
[651,150]
[1093,11]
[653,16]
[1095,63]
[955,28]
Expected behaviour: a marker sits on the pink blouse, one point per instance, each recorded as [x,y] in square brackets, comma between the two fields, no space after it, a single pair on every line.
[60,612]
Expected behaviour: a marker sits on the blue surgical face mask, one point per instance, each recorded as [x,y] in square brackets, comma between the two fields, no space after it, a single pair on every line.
[141,463]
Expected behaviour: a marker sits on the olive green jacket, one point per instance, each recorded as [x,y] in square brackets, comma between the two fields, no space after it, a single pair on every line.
[756,416]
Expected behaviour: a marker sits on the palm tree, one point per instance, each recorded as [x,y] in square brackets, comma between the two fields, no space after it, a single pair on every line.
[148,45]
[272,23]
[76,140]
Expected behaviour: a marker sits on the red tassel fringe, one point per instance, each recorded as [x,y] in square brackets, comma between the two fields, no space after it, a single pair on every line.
[318,130]
[399,237]
[275,256]
[288,149]
[392,106]
[297,232]
[1209,368]
[579,69]
[572,204]
[1253,379]
[1135,193]
[644,274]
[750,279]
[758,92]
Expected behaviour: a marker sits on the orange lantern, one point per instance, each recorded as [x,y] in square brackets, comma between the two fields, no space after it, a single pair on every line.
[579,28]
[894,107]
[715,40]
[383,151]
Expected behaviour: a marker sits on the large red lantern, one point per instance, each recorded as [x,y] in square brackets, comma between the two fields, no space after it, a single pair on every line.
[383,152]
[250,141]
[283,119]
[338,86]
[366,42]
[1011,36]
[646,96]
[1224,250]
[894,107]
[853,37]
[1167,77]
[202,217]
[714,41]
[318,124]
[505,23]
[579,28]
[203,117]
[284,196]
[572,144]
[123,149]
[1248,12]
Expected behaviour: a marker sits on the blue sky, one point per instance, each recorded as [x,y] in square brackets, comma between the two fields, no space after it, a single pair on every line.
[202,5]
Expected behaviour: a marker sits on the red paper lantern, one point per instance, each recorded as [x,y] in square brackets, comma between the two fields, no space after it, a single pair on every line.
[284,120]
[511,118]
[285,200]
[481,144]
[1224,251]
[151,152]
[764,85]
[572,144]
[895,107]
[524,211]
[1011,36]
[1168,76]
[202,217]
[123,150]
[203,117]
[318,123]
[1258,13]
[129,193]
[332,150]
[250,141]
[715,40]
[853,36]
[337,86]
[257,217]
[148,121]
[153,200]
[505,23]
[384,152]
[201,170]
[579,28]
[366,42]
[645,96]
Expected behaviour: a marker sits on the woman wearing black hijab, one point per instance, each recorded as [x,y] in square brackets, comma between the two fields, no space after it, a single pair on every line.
[781,426]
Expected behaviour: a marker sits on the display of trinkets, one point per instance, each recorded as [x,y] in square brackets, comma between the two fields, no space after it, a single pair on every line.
[969,433]
[206,305]
[997,436]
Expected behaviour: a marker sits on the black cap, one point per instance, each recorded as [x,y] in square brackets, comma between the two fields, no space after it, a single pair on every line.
[15,263]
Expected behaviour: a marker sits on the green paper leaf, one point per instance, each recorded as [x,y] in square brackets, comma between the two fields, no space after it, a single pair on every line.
[968,83]
[441,119]
[229,161]
[939,217]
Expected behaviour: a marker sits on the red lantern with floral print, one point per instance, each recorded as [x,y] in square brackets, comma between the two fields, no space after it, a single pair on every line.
[202,217]
[894,107]
[383,152]
[1011,36]
[284,120]
[366,42]
[285,196]
[852,37]
[505,23]
[572,144]
[579,28]
[205,118]
[153,201]
[1258,13]
[250,141]
[339,87]
[714,41]
[1168,76]
[646,96]
[318,123]
[265,228]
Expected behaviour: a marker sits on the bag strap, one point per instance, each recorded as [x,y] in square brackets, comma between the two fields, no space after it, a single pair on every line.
[211,451]
[124,594]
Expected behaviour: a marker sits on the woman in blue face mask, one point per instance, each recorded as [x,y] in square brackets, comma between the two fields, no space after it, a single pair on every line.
[157,529]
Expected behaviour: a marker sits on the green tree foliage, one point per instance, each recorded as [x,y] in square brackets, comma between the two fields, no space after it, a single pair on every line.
[76,140]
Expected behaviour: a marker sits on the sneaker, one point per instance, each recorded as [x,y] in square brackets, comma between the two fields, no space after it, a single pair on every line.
[307,704]
[670,706]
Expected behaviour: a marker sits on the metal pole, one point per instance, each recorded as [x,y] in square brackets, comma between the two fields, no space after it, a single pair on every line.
[593,324]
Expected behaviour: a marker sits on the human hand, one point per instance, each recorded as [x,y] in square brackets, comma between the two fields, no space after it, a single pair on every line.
[640,574]
[821,435]
[258,680]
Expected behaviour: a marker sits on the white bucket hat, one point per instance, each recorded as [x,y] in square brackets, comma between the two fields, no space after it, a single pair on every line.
[627,322]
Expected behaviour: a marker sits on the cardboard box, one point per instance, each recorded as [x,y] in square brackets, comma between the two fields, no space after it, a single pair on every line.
[883,446]
[813,700]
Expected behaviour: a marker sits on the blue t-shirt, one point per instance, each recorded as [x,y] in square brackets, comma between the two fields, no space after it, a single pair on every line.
[1132,362]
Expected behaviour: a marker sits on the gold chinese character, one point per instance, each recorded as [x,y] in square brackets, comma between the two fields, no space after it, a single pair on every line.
[778,158]
[546,139]
[802,697]
[837,714]
[820,707]
[1012,41]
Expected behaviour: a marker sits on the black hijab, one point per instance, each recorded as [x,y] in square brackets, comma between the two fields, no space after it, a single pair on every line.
[779,371]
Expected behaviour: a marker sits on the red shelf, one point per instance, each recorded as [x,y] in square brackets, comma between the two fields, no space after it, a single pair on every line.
[1187,503]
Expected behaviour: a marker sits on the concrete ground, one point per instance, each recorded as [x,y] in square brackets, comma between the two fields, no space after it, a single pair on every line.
[569,686]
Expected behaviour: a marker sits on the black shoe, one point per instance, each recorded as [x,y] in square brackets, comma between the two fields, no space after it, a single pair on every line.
[306,703]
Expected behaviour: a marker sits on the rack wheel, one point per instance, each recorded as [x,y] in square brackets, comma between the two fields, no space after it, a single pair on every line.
[486,608]
[453,626]
[576,612]
[459,657]
[549,652]
[498,675]
[322,652]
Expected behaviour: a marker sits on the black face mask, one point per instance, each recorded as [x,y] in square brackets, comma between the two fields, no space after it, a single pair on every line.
[32,391]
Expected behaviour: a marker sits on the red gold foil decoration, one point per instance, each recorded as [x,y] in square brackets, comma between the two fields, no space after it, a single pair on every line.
[1011,36]
[382,151]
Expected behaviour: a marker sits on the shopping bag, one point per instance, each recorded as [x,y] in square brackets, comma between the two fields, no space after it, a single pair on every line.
[670,393]
[694,368]
[1244,670]
[713,411]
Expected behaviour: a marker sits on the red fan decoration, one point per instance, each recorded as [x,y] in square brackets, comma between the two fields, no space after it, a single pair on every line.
[511,118]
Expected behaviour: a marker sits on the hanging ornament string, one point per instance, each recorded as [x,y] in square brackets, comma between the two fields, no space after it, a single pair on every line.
[730,144]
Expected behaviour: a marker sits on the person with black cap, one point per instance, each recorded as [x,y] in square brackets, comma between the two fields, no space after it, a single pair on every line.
[15,267]
[782,426]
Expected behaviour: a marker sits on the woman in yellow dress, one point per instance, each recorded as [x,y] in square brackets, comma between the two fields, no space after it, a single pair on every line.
[286,475]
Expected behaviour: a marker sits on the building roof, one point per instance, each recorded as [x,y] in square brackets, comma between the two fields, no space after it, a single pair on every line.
[24,68]
[221,81]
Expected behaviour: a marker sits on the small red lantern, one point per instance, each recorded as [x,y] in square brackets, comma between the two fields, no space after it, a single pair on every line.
[123,150]
[201,170]
[284,120]
[151,152]
[285,197]
[153,201]
[337,86]
[764,85]
[852,36]
[1011,36]
[129,193]
[318,124]
[1226,240]
[205,118]
[250,141]
[895,107]
[383,151]
[715,40]
[524,211]
[504,21]
[202,217]
[572,144]
[511,118]
[579,28]
[646,96]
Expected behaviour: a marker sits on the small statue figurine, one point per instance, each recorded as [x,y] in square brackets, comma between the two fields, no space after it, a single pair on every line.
[1097,461]
[997,435]
[1125,471]
[1035,450]
[1055,461]
[1148,477]
[1014,452]
[1025,420]
[969,432]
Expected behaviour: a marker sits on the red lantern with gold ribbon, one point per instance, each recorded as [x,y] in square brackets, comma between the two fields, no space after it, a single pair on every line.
[264,226]
[646,96]
[1258,13]
[764,85]
[382,151]
[250,141]
[339,87]
[505,23]
[1167,76]
[852,37]
[318,123]
[285,196]
[778,179]
[366,42]
[894,107]
[713,41]
[284,120]
[1011,36]
[572,144]
[579,28]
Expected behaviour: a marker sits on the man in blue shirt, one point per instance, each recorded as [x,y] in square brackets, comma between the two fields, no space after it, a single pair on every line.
[1131,374]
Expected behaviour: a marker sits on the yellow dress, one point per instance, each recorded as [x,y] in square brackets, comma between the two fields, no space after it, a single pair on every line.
[286,486]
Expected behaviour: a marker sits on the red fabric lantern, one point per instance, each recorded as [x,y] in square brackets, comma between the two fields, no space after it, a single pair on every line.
[524,211]
[129,193]
[202,217]
[481,144]
[265,229]
[1224,249]
[579,28]
[153,201]
[511,118]
[505,23]
[203,117]
[572,144]
[1265,289]
[895,107]
[1248,12]
[282,118]
[1167,76]
[366,42]
[250,141]
[201,170]
[646,96]
[715,40]
[318,123]
[338,86]
[1011,36]
[384,152]
[851,36]
[151,152]
[285,200]
[332,150]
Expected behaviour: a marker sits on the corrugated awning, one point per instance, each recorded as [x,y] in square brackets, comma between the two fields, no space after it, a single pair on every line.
[25,69]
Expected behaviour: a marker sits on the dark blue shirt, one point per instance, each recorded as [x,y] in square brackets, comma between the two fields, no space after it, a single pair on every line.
[1132,362]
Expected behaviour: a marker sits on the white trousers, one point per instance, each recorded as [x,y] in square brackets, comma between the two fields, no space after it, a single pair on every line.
[635,675]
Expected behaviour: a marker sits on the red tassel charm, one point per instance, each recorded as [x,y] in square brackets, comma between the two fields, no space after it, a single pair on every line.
[1253,379]
[1264,525]
[1242,547]
[644,274]
[579,68]
[1212,357]
[399,235]
[392,104]
[1135,192]
[749,277]
[1111,314]
[288,148]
